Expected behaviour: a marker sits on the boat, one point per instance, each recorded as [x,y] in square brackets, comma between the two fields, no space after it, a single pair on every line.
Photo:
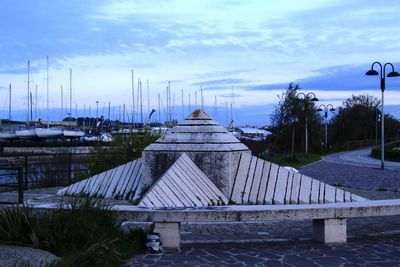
[48,132]
[26,133]
[8,135]
[71,133]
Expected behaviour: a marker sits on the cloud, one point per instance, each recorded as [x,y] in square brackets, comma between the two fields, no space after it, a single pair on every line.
[228,81]
[344,77]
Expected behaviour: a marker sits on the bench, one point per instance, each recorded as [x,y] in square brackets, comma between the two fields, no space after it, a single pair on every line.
[329,220]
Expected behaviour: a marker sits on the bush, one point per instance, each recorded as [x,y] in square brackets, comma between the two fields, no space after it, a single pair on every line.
[121,150]
[85,234]
[392,152]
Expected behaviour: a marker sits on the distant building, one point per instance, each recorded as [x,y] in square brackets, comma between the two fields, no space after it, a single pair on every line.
[255,134]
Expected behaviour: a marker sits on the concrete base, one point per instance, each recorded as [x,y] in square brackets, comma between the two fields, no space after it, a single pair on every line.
[330,230]
[169,234]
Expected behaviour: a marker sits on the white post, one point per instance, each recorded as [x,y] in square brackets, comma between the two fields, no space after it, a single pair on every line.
[383,136]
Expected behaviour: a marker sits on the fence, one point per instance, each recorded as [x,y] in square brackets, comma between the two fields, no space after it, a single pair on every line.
[32,171]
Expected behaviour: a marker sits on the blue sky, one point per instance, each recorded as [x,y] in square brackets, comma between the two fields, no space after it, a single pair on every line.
[256,47]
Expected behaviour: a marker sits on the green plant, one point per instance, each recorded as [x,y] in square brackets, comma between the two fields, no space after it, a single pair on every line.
[86,233]
[14,226]
[121,150]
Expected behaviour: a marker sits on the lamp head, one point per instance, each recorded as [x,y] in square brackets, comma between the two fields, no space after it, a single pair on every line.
[332,109]
[371,72]
[314,99]
[320,109]
[393,74]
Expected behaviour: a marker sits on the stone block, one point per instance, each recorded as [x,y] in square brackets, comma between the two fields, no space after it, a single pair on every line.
[330,230]
[169,234]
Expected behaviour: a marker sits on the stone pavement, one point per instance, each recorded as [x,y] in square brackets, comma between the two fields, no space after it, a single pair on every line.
[361,158]
[376,251]
[373,241]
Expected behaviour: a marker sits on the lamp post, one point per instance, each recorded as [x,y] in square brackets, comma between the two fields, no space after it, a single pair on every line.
[326,109]
[310,95]
[377,120]
[97,112]
[382,75]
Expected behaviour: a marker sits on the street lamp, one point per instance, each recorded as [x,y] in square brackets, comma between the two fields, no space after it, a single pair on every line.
[382,74]
[314,99]
[326,109]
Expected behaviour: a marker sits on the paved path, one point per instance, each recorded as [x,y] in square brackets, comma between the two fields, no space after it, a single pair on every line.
[372,241]
[360,158]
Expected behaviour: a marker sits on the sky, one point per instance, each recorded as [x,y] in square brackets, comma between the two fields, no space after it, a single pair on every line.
[243,53]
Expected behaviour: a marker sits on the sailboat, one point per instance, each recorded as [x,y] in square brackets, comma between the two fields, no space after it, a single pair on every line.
[48,132]
[8,135]
[27,133]
[72,133]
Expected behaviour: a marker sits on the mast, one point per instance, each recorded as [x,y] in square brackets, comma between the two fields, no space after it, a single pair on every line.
[47,90]
[27,115]
[169,101]
[9,103]
[183,112]
[148,97]
[36,102]
[141,103]
[109,110]
[123,114]
[190,105]
[70,94]
[159,108]
[62,102]
[195,99]
[202,98]
[133,99]
[30,96]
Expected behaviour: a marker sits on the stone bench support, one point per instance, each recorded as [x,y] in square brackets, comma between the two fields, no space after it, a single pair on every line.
[169,234]
[330,230]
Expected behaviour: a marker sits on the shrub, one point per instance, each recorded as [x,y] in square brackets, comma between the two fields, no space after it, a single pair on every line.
[392,152]
[85,234]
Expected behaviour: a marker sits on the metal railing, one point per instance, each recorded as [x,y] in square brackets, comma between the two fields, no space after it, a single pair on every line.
[32,171]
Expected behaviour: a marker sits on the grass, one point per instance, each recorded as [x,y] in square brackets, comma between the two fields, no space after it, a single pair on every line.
[86,234]
[299,160]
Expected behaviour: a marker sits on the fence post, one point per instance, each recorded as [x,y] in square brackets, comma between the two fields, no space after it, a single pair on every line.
[26,171]
[20,186]
[69,169]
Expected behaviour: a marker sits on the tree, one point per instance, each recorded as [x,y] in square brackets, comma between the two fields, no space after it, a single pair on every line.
[357,120]
[290,114]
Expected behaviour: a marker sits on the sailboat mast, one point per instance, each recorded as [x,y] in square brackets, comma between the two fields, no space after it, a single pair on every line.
[62,102]
[159,108]
[30,97]
[141,103]
[70,93]
[190,104]
[9,103]
[202,98]
[47,90]
[148,97]
[183,111]
[36,102]
[27,115]
[133,99]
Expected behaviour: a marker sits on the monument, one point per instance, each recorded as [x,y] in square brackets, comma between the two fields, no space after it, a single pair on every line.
[199,163]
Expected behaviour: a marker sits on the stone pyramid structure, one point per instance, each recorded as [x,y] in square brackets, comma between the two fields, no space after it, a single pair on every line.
[199,163]
[183,185]
[122,182]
